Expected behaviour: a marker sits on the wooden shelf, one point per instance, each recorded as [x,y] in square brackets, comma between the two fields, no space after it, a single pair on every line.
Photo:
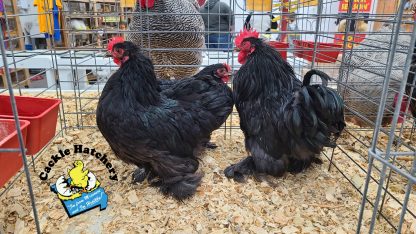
[89,16]
[93,1]
[15,35]
[96,22]
[79,16]
[106,1]
[15,32]
[9,14]
[16,72]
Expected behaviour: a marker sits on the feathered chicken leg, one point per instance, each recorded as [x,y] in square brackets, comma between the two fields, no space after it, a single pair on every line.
[143,172]
[259,162]
[237,171]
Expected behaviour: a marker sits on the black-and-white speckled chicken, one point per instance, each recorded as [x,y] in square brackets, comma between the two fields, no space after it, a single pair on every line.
[175,37]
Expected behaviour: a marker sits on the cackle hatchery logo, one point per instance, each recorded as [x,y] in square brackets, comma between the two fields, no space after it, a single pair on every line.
[79,190]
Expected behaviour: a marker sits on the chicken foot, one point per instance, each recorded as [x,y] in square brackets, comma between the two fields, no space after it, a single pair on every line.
[141,173]
[210,145]
[237,171]
[206,142]
[259,163]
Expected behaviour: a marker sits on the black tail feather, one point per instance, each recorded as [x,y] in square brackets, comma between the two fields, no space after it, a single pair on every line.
[307,78]
[316,114]
[411,89]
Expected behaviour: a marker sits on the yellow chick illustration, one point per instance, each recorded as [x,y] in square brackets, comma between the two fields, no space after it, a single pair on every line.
[79,177]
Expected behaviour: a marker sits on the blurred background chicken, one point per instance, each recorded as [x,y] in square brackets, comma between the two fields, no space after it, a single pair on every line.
[177,29]
[363,93]
[359,26]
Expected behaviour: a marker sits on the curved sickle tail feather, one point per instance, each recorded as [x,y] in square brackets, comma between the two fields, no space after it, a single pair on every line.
[324,77]
[315,114]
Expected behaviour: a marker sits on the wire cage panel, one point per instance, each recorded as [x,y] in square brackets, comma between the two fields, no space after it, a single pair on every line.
[365,46]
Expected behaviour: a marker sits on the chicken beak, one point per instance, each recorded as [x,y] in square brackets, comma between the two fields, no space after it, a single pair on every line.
[236,49]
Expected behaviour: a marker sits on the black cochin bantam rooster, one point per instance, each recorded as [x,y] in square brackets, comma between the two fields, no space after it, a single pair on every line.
[146,128]
[286,123]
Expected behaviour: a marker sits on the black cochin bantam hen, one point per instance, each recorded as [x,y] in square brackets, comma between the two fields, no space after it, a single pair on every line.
[220,73]
[146,128]
[286,123]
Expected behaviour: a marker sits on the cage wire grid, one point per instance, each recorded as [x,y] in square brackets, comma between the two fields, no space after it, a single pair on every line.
[388,158]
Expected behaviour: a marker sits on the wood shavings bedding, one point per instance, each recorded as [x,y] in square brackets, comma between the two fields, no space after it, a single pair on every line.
[314,201]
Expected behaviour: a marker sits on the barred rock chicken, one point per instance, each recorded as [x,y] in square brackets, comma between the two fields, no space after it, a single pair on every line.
[286,123]
[159,134]
[173,24]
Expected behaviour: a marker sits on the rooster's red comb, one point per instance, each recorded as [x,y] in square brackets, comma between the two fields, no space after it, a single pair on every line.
[114,41]
[227,67]
[245,34]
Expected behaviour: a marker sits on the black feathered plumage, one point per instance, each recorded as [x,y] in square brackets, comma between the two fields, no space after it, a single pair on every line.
[207,71]
[175,89]
[411,88]
[286,123]
[157,131]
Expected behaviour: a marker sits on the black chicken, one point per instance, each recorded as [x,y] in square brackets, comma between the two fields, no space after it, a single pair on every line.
[173,89]
[220,71]
[286,123]
[146,128]
[411,89]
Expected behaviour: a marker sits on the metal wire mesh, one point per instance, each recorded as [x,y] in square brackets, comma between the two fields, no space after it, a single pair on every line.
[370,70]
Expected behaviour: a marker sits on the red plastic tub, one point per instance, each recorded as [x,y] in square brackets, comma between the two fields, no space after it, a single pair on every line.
[42,113]
[281,47]
[326,52]
[10,163]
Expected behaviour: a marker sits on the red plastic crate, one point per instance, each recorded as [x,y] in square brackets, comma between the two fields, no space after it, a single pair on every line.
[326,52]
[42,113]
[281,47]
[10,163]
